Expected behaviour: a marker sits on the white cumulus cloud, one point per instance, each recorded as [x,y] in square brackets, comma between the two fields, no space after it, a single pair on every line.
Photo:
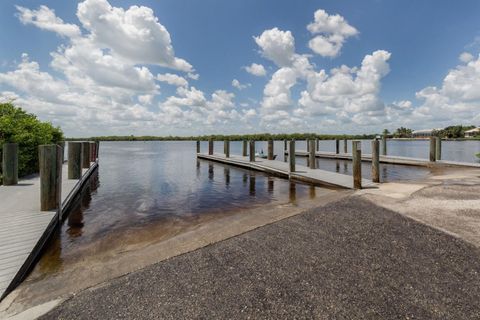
[331,31]
[256,70]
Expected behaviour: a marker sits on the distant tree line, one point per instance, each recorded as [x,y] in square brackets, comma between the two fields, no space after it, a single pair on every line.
[24,128]
[450,132]
[237,137]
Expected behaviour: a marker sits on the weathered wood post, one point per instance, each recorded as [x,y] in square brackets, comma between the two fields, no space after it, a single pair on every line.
[270,150]
[357,164]
[285,147]
[210,146]
[291,155]
[98,148]
[384,145]
[74,160]
[317,144]
[337,146]
[438,149]
[92,151]
[10,164]
[311,155]
[198,146]
[62,145]
[227,148]
[252,151]
[50,158]
[432,148]
[244,148]
[345,146]
[86,154]
[375,160]
[307,142]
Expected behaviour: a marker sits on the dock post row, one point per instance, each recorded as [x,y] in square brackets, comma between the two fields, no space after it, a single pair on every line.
[51,158]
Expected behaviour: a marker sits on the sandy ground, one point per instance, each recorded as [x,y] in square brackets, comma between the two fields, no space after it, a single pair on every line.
[402,245]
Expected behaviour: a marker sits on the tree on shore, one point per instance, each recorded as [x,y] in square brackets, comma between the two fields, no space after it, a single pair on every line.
[24,128]
[403,133]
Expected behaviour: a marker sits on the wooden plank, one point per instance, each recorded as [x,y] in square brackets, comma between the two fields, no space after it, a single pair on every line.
[25,229]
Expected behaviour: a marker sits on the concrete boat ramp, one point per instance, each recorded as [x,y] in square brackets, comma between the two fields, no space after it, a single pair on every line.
[24,228]
[408,161]
[279,168]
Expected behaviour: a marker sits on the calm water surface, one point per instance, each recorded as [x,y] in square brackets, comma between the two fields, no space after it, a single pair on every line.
[146,191]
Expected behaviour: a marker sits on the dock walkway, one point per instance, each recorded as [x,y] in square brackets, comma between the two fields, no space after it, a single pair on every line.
[388,159]
[302,173]
[24,228]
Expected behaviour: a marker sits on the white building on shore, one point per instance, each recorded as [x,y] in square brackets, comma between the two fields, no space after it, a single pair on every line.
[425,132]
[472,133]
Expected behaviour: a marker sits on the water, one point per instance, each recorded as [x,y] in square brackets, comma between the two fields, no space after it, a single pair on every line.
[151,191]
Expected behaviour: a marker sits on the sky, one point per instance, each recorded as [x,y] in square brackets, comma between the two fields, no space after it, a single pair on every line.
[186,67]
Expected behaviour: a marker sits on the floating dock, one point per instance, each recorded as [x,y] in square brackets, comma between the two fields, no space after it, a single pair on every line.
[388,159]
[25,228]
[279,168]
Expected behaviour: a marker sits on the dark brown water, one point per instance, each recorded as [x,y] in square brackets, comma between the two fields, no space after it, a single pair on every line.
[146,192]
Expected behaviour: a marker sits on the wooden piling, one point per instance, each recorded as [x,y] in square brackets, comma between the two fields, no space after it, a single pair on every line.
[50,158]
[357,164]
[438,148]
[345,146]
[198,146]
[98,148]
[244,148]
[92,151]
[62,145]
[86,154]
[210,146]
[227,148]
[384,145]
[285,147]
[291,155]
[307,142]
[337,146]
[311,155]
[74,160]
[317,144]
[270,150]
[252,151]
[375,160]
[10,164]
[433,148]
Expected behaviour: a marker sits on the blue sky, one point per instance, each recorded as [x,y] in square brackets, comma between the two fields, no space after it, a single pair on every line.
[423,69]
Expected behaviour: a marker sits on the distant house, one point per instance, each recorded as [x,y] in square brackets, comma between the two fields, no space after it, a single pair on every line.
[425,133]
[472,133]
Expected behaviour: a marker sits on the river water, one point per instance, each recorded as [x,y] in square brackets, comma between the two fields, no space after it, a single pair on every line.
[162,184]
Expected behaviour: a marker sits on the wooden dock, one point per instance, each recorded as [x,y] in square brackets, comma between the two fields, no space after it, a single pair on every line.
[388,159]
[25,228]
[279,168]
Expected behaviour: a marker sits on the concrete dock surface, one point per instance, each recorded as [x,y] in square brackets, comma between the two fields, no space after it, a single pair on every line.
[350,259]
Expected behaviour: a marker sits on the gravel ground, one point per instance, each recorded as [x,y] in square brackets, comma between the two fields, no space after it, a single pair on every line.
[347,260]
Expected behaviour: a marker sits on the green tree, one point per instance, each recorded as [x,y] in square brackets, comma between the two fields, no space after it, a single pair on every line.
[403,133]
[455,131]
[24,128]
